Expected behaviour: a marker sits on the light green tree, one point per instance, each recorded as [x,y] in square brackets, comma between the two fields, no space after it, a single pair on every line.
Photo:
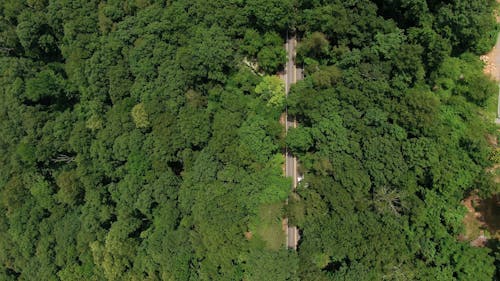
[272,90]
[140,116]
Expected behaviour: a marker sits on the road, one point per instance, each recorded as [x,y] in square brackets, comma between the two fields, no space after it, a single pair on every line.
[291,76]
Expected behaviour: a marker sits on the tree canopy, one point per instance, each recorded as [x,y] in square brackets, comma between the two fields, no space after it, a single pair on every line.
[140,139]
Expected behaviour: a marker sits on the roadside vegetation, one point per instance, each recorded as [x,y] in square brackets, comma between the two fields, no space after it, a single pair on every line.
[140,139]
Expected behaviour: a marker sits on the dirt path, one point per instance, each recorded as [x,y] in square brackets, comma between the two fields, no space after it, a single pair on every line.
[492,68]
[492,59]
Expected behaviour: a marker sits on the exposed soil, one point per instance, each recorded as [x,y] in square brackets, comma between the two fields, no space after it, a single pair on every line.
[284,225]
[492,140]
[248,235]
[492,59]
[482,220]
[494,170]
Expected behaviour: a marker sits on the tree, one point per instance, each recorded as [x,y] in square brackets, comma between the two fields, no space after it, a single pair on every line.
[252,42]
[207,56]
[299,140]
[70,190]
[46,87]
[279,265]
[271,15]
[272,90]
[140,116]
[314,45]
[271,59]
[140,140]
[36,36]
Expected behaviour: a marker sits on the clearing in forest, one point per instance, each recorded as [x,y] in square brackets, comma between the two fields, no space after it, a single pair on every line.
[268,228]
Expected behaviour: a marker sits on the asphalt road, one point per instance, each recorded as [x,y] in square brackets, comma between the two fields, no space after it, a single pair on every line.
[292,74]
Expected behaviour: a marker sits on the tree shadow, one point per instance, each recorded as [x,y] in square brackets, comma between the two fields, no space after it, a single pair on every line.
[494,245]
[490,211]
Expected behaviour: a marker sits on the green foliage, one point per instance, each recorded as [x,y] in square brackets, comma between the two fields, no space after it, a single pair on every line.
[314,45]
[208,56]
[140,139]
[26,152]
[326,77]
[268,265]
[35,36]
[252,42]
[45,85]
[267,49]
[463,76]
[70,190]
[272,14]
[390,138]
[299,140]
[272,91]
[268,227]
[140,116]
[271,58]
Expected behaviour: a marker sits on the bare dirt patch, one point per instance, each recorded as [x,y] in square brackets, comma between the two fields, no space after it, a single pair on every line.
[492,140]
[482,220]
[492,62]
[248,235]
[492,59]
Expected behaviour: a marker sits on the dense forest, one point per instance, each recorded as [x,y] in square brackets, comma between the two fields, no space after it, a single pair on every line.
[140,139]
